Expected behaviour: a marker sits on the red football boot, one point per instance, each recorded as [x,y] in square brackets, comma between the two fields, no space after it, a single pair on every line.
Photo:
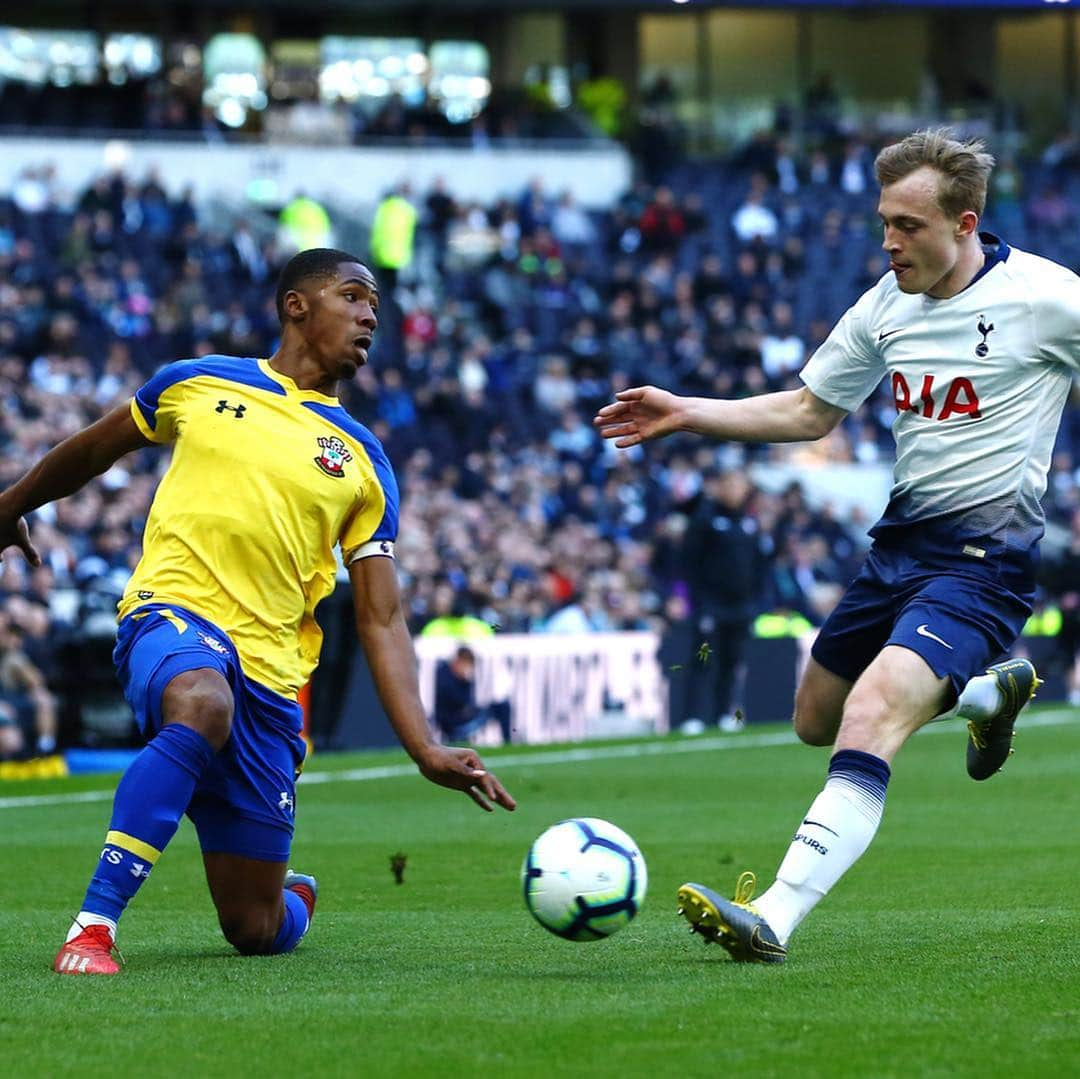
[88,953]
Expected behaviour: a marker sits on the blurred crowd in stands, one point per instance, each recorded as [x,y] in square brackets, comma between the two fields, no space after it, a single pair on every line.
[503,327]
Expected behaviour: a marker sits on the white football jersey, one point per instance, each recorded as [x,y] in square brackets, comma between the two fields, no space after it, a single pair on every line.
[980,380]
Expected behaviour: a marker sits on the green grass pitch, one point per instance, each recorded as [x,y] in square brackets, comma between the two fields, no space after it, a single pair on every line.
[951,949]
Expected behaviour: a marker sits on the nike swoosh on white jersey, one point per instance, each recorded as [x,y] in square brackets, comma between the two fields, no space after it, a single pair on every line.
[924,631]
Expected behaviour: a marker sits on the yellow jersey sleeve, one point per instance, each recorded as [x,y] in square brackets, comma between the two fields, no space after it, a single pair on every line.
[157,404]
[372,528]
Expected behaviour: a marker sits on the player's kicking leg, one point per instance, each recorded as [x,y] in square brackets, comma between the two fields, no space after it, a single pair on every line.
[735,924]
[896,695]
[990,703]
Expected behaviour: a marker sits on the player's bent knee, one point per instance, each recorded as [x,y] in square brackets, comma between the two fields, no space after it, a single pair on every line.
[813,724]
[819,704]
[866,716]
[203,701]
[251,933]
[813,729]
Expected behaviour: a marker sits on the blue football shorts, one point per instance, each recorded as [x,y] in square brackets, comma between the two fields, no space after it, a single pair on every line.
[956,618]
[245,802]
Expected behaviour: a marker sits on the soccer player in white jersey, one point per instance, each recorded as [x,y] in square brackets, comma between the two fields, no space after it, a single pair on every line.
[980,343]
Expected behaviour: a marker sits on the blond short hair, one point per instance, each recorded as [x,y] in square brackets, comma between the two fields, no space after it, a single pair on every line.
[963,166]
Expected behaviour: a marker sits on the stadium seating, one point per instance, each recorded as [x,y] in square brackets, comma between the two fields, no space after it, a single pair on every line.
[512,322]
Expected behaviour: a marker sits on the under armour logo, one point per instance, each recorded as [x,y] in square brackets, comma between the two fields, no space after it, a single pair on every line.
[236,410]
[982,348]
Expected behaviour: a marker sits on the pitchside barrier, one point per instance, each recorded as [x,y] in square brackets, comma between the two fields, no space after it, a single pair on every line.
[578,688]
[561,688]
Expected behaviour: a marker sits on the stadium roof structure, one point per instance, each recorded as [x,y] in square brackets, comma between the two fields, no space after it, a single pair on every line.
[398,8]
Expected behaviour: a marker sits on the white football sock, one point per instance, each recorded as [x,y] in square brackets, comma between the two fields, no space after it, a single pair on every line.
[85,918]
[980,699]
[837,828]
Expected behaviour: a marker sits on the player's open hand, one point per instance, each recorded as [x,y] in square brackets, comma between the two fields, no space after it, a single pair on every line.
[463,770]
[639,414]
[17,534]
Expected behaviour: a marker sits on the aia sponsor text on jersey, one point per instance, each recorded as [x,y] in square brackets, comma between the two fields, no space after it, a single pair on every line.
[936,402]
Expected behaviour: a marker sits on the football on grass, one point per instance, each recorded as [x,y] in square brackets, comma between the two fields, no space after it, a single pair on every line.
[584,879]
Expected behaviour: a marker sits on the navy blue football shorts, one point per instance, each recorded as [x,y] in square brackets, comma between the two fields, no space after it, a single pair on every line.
[957,619]
[245,802]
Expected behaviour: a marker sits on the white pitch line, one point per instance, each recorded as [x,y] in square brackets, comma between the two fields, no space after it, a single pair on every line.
[1057,718]
[569,756]
[55,799]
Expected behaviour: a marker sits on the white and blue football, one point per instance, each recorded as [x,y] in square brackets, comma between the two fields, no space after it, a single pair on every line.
[584,879]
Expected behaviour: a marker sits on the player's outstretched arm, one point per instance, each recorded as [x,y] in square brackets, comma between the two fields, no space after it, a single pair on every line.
[384,635]
[64,470]
[644,412]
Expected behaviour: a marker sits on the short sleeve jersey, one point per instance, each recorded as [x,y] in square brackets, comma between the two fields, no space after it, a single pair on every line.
[265,480]
[979,381]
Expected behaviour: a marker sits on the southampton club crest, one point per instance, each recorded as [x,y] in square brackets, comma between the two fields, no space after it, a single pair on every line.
[333,457]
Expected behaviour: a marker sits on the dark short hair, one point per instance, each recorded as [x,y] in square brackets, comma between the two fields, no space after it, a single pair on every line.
[316,262]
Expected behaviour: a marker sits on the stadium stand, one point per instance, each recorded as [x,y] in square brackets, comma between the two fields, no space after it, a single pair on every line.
[511,323]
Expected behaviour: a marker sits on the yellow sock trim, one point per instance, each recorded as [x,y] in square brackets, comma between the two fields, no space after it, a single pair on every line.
[134,846]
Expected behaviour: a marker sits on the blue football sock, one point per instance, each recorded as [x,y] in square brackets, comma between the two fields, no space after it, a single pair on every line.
[293,927]
[152,796]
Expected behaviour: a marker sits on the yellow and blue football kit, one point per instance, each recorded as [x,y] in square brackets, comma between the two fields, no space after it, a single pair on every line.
[265,480]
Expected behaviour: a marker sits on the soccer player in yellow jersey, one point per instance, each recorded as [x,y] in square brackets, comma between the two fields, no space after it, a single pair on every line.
[217,628]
